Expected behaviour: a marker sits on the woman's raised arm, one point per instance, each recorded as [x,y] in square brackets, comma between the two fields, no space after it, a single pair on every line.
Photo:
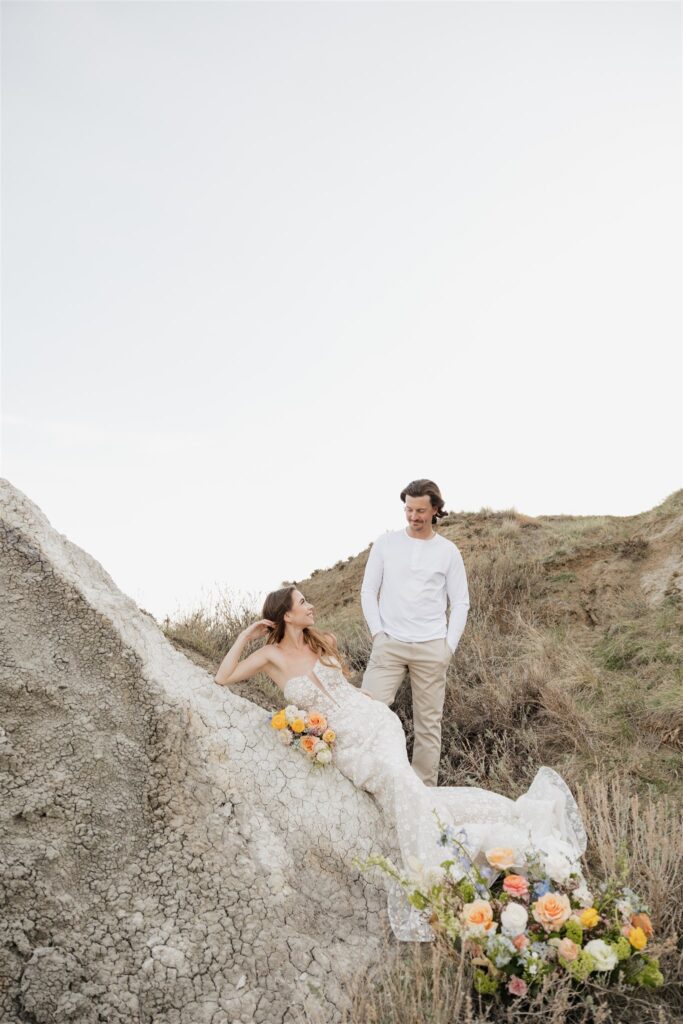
[231,669]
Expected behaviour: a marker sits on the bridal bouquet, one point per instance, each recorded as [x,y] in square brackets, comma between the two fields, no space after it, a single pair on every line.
[520,921]
[308,733]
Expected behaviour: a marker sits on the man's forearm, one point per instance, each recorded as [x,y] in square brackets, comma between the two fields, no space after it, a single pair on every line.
[456,624]
[370,587]
[370,606]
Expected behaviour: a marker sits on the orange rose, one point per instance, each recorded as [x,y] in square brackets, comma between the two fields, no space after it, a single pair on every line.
[551,910]
[317,723]
[643,921]
[478,916]
[501,857]
[308,743]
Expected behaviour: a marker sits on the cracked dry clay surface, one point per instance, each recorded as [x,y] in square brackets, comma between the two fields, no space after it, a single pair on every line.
[163,858]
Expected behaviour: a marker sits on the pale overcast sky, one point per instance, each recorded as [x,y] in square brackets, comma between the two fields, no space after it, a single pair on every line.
[263,264]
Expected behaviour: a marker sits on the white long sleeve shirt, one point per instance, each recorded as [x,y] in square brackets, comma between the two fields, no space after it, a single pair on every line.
[406,584]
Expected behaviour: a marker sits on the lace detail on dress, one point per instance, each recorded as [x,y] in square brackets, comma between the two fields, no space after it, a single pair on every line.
[371,751]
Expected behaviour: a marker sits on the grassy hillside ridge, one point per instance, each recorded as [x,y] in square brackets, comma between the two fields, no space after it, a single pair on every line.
[582,558]
[572,655]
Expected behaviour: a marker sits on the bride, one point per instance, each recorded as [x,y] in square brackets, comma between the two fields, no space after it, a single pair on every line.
[370,750]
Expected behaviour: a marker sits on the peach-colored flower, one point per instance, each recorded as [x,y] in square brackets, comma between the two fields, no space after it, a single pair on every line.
[551,910]
[478,916]
[309,743]
[589,917]
[317,723]
[520,942]
[516,885]
[568,949]
[329,735]
[643,921]
[637,938]
[501,857]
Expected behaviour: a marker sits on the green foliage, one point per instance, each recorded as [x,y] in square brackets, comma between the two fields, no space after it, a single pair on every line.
[622,948]
[580,968]
[484,984]
[644,971]
[466,890]
[574,931]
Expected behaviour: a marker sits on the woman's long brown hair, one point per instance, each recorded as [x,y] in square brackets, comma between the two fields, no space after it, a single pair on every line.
[275,607]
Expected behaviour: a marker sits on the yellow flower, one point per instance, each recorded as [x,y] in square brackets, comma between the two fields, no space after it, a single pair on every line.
[298,725]
[637,938]
[279,721]
[329,736]
[589,917]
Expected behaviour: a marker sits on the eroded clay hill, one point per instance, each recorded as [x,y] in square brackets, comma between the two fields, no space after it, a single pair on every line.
[163,858]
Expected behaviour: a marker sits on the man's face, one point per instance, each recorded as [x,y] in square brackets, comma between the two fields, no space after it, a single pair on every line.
[419,512]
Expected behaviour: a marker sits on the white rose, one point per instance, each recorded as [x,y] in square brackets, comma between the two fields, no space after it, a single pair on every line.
[285,737]
[514,919]
[421,876]
[558,859]
[324,756]
[557,867]
[605,958]
[625,908]
[292,713]
[583,894]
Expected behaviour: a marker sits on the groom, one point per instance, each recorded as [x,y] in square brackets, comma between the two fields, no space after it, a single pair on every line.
[413,571]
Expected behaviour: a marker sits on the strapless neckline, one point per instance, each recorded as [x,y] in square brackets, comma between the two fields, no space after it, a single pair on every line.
[312,678]
[305,675]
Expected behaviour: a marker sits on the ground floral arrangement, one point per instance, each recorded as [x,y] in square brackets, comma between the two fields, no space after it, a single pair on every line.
[306,732]
[519,923]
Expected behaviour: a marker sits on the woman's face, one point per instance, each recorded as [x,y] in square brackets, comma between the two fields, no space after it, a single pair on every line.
[300,613]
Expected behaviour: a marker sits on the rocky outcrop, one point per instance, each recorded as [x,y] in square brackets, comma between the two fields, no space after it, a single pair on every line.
[163,858]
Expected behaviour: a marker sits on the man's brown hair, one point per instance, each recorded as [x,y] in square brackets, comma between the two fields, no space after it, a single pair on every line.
[423,489]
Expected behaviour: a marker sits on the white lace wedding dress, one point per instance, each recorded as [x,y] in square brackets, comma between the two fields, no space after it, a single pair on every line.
[371,751]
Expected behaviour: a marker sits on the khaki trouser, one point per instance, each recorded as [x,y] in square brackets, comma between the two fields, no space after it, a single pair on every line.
[427,663]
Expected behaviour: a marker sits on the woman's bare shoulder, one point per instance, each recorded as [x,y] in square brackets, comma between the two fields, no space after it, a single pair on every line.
[276,666]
